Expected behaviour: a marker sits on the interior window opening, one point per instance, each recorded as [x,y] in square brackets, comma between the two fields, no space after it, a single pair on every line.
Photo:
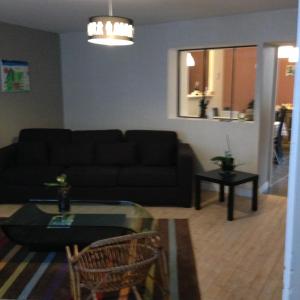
[217,83]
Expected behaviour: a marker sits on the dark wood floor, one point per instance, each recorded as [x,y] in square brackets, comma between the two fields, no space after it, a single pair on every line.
[279,185]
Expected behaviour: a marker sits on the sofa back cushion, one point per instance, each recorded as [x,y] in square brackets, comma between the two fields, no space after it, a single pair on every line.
[158,154]
[32,153]
[47,135]
[155,148]
[97,136]
[71,154]
[116,154]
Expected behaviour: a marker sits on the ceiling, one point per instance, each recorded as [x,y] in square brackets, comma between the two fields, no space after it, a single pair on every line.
[72,15]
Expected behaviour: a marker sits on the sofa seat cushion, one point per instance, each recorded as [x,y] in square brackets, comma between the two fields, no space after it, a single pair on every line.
[33,175]
[147,176]
[92,176]
[116,154]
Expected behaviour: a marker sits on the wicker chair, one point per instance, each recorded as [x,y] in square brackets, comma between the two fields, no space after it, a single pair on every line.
[115,264]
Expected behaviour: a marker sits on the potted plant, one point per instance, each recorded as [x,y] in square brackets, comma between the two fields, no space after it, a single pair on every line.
[203,106]
[226,162]
[63,189]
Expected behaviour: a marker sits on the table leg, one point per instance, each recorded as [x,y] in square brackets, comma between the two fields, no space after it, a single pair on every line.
[230,203]
[198,194]
[254,194]
[221,193]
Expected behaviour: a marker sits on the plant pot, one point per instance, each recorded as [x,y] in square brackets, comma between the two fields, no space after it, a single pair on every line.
[228,167]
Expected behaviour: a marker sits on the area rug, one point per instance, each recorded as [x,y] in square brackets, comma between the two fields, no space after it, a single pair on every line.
[28,275]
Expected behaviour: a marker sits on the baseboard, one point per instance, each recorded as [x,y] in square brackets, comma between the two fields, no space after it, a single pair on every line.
[244,191]
[264,187]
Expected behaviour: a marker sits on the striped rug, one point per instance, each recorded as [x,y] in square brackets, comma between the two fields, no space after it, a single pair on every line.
[31,275]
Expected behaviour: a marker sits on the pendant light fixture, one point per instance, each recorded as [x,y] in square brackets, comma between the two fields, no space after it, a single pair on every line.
[190,61]
[110,30]
[290,52]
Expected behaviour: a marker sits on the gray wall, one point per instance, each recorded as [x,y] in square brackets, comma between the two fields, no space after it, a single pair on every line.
[267,112]
[42,106]
[134,87]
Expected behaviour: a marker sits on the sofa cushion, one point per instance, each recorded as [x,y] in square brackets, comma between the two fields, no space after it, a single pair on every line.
[162,143]
[47,135]
[151,136]
[158,154]
[97,136]
[92,176]
[34,175]
[71,154]
[32,153]
[147,176]
[116,154]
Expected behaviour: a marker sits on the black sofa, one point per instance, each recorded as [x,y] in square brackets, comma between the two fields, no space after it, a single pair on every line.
[144,166]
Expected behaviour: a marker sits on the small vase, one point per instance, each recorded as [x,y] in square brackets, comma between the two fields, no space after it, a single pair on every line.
[203,113]
[63,199]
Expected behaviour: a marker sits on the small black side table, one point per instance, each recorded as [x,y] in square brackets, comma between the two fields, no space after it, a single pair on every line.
[231,182]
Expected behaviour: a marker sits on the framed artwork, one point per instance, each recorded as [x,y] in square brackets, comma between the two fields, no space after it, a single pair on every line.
[14,76]
[290,70]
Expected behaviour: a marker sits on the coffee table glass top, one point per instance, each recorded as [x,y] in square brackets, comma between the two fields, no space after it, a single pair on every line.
[122,214]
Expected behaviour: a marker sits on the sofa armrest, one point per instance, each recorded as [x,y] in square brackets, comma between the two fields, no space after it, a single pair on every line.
[7,156]
[185,173]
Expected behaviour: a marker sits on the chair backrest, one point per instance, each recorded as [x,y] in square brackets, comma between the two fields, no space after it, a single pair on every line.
[281,116]
[115,263]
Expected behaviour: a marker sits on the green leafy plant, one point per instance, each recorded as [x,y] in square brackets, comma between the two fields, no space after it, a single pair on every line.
[226,162]
[61,181]
[63,189]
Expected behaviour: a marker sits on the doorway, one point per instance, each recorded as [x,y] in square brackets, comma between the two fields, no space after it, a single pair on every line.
[282,122]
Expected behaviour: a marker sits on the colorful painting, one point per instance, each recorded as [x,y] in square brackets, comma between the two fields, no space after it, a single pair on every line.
[14,76]
[290,70]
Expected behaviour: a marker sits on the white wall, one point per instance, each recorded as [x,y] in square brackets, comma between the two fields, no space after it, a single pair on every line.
[128,87]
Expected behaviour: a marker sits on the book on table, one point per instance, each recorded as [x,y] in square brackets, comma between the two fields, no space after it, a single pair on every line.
[61,221]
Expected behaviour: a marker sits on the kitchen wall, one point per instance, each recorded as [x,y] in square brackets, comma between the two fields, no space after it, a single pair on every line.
[42,106]
[135,87]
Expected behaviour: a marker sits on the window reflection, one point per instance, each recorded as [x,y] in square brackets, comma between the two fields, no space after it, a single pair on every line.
[220,84]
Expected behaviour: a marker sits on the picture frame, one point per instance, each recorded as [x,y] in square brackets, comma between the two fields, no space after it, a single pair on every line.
[290,70]
[14,76]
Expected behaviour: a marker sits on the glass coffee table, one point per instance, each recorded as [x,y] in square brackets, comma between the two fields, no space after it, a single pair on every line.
[39,225]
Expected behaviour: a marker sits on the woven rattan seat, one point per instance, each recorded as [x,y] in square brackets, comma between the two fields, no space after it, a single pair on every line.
[113,264]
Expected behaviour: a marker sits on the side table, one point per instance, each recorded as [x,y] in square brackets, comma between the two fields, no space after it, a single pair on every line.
[231,181]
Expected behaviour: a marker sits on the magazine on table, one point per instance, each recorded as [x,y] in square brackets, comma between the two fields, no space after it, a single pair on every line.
[61,221]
